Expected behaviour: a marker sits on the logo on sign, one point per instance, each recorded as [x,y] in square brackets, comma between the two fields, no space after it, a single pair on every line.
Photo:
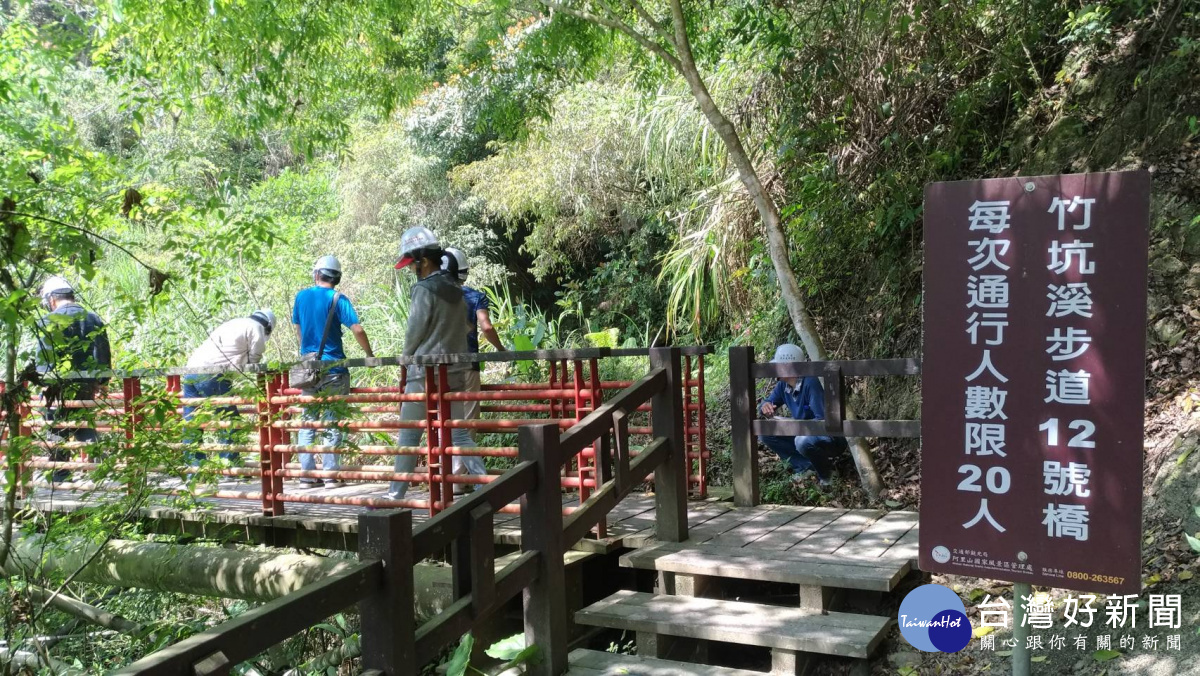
[941,554]
[933,619]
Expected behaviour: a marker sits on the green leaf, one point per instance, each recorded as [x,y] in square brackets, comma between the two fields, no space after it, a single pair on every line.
[457,666]
[1039,658]
[508,648]
[1192,542]
[530,655]
[1105,655]
[1196,509]
[906,671]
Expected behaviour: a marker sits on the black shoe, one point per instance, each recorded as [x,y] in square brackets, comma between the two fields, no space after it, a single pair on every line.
[310,483]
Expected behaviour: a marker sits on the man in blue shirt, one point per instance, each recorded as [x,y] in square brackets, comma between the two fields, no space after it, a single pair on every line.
[455,262]
[309,313]
[803,399]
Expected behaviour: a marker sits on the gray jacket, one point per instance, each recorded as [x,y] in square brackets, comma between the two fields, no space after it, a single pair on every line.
[437,320]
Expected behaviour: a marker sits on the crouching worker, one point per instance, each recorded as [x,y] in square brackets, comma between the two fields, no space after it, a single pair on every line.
[230,346]
[437,324]
[802,399]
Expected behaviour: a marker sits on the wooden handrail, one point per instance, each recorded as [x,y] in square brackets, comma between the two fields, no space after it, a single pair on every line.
[383,585]
[583,519]
[374,362]
[450,624]
[434,535]
[744,373]
[599,421]
[853,368]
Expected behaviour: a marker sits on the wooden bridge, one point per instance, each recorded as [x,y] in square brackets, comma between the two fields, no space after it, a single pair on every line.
[573,487]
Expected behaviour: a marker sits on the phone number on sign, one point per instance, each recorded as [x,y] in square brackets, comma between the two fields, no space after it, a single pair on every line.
[1092,577]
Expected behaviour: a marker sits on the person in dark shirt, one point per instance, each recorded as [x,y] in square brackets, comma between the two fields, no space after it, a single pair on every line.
[437,325]
[70,339]
[455,262]
[803,399]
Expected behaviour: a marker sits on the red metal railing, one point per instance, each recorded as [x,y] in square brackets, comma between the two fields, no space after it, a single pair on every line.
[270,412]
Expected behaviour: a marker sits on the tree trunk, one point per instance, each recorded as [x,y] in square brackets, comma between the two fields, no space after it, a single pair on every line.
[206,571]
[776,239]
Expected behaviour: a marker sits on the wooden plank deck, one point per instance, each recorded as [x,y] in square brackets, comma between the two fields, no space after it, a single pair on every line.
[816,534]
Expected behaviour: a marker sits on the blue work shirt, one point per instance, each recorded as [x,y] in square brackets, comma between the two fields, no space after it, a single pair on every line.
[476,301]
[805,402]
[309,311]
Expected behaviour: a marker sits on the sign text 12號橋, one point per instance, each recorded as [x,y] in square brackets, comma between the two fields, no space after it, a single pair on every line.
[1033,379]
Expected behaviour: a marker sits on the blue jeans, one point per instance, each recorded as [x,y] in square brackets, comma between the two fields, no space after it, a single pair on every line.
[415,410]
[202,387]
[806,453]
[330,384]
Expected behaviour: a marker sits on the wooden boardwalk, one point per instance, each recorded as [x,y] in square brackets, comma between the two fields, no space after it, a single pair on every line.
[816,533]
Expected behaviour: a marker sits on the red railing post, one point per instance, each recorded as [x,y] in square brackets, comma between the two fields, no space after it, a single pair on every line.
[553,385]
[445,434]
[432,461]
[276,436]
[702,421]
[265,447]
[131,388]
[688,408]
[582,463]
[598,454]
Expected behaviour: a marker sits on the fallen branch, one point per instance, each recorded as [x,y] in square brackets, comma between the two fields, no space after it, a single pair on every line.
[84,611]
[25,659]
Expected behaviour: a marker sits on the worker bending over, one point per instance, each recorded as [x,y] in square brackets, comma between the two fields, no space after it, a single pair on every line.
[229,347]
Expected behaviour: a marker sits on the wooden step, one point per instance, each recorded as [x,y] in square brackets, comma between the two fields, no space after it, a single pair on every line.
[596,663]
[792,629]
[769,566]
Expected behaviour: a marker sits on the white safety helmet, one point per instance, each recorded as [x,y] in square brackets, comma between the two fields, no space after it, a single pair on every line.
[787,353]
[462,267]
[55,285]
[330,263]
[265,315]
[412,241]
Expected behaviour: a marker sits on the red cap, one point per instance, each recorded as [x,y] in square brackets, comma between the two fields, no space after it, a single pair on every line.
[404,262]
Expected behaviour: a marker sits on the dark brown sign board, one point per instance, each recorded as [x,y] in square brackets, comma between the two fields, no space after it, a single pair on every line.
[1033,379]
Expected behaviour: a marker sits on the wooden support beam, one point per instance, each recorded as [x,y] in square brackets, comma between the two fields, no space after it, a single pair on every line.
[744,446]
[388,622]
[545,600]
[671,477]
